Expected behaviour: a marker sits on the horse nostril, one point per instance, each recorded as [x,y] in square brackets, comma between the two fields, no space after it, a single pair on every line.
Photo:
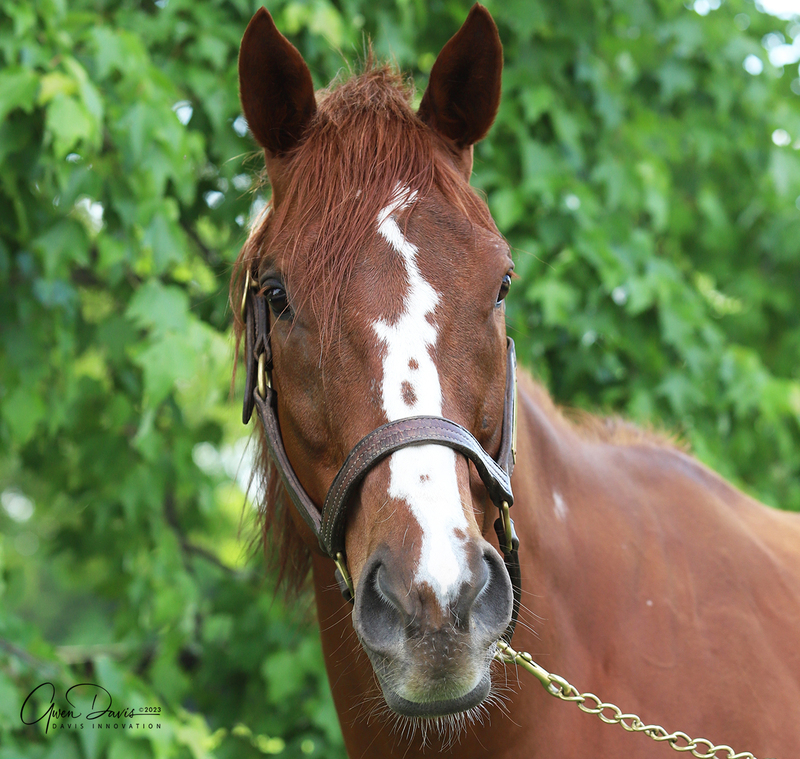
[384,588]
[463,605]
[494,602]
[377,617]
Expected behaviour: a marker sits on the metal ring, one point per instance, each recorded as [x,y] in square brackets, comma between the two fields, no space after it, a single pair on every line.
[263,376]
[248,283]
[504,510]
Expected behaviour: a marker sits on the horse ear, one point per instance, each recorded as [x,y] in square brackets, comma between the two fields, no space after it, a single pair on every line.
[463,93]
[275,86]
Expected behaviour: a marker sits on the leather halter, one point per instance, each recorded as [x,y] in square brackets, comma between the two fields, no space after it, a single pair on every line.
[328,523]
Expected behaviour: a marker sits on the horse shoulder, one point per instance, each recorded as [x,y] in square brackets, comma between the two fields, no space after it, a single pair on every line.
[650,566]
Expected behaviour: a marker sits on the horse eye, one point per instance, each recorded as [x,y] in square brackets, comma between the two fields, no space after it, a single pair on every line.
[278,301]
[505,286]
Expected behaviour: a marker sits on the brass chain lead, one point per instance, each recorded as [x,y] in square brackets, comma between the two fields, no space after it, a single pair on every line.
[612,715]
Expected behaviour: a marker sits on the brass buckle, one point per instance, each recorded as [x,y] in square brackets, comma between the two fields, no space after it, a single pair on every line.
[341,565]
[506,517]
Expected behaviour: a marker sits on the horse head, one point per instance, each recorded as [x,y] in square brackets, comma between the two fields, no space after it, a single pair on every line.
[383,278]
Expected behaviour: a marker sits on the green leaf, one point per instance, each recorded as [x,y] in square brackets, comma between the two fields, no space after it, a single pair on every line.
[56,83]
[166,241]
[23,409]
[69,123]
[165,362]
[160,308]
[506,206]
[18,87]
[535,101]
[64,244]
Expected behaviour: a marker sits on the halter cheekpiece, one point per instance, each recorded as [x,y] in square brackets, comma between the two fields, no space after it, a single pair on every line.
[328,523]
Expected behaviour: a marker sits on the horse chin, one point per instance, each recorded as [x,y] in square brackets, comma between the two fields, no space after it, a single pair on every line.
[443,707]
[430,689]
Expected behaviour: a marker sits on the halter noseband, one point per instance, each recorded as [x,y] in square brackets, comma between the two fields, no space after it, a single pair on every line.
[328,524]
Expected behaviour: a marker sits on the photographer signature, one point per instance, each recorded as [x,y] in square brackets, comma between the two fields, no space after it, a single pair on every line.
[100,707]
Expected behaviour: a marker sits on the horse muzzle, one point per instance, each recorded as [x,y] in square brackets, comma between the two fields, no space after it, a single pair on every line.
[432,659]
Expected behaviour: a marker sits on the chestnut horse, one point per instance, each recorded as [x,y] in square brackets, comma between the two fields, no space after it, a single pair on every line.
[379,285]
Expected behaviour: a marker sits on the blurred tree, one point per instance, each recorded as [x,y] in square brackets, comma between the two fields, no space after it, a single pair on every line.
[645,165]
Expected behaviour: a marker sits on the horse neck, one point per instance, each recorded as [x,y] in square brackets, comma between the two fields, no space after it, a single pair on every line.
[547,473]
[593,519]
[574,530]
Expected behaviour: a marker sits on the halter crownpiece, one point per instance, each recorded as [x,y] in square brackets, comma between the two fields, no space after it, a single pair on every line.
[328,523]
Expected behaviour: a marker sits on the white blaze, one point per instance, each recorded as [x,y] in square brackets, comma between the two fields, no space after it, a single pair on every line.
[424,476]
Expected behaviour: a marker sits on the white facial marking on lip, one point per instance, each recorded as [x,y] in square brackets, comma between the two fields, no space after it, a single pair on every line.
[424,476]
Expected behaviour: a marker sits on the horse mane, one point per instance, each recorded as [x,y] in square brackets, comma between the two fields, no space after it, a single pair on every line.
[364,142]
[611,429]
[616,430]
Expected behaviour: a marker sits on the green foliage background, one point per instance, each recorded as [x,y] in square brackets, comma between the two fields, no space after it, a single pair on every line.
[635,166]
